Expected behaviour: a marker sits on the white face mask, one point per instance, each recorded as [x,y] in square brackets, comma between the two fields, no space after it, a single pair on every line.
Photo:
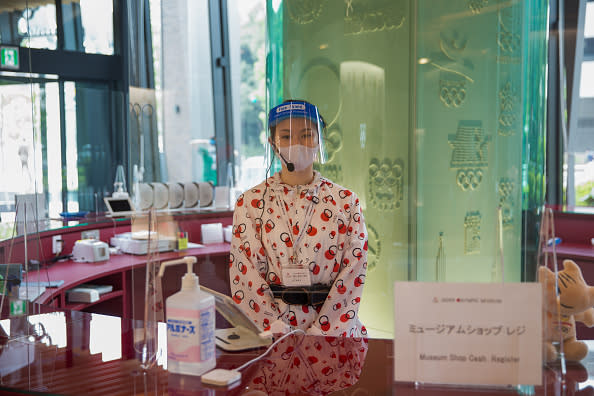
[300,156]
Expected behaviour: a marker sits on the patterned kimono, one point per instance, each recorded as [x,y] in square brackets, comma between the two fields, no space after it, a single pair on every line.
[317,226]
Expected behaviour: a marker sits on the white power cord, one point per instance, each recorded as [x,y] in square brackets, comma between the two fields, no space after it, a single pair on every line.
[269,348]
[224,377]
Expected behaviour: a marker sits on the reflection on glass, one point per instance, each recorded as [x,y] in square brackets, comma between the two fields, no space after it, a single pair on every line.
[5,328]
[143,135]
[88,26]
[589,25]
[33,27]
[581,145]
[70,112]
[119,184]
[14,357]
[308,365]
[105,335]
[187,112]
[93,125]
[32,140]
[20,146]
[440,260]
[51,327]
[53,148]
[18,142]
[162,345]
[248,43]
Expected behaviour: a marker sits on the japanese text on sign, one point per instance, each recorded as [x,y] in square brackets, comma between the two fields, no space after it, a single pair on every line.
[447,329]
[468,333]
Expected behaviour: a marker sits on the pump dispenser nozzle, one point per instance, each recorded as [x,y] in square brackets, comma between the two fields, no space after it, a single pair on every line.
[190,279]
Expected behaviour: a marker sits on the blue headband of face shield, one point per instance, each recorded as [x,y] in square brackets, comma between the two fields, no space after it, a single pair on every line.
[294,109]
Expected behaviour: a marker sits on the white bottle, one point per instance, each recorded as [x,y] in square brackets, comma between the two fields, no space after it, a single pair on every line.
[190,325]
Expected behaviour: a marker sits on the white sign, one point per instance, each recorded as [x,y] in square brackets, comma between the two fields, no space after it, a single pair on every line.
[468,333]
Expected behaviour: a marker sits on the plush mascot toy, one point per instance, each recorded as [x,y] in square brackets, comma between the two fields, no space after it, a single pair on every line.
[576,304]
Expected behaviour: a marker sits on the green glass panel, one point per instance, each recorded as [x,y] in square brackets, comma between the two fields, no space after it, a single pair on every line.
[479,113]
[427,106]
[352,60]
[469,139]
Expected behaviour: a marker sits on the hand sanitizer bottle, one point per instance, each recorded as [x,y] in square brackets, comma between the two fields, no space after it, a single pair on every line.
[190,325]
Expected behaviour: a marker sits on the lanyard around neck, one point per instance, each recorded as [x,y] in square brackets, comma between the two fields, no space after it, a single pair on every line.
[309,210]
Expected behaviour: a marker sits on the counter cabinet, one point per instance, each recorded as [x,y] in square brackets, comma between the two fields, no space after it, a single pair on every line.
[124,272]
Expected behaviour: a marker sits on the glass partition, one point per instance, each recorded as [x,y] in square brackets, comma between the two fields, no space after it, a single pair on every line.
[442,106]
[160,129]
[578,148]
[94,125]
[21,148]
[72,134]
[480,84]
[60,113]
[22,100]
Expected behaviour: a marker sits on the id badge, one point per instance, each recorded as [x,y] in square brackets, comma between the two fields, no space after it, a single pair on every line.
[296,276]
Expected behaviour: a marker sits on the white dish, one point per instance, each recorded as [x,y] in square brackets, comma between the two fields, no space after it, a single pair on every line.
[206,191]
[145,196]
[191,194]
[176,195]
[160,195]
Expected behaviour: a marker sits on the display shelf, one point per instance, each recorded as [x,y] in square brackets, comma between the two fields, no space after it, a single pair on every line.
[40,245]
[102,298]
[575,250]
[120,269]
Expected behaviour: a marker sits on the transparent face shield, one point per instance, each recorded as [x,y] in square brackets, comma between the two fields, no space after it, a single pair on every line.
[295,134]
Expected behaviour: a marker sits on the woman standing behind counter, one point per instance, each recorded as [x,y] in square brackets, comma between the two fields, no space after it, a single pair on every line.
[299,246]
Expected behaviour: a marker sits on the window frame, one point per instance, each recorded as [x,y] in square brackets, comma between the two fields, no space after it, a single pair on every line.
[222,95]
[40,65]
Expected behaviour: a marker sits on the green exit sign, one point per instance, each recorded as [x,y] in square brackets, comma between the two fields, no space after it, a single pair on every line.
[9,58]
